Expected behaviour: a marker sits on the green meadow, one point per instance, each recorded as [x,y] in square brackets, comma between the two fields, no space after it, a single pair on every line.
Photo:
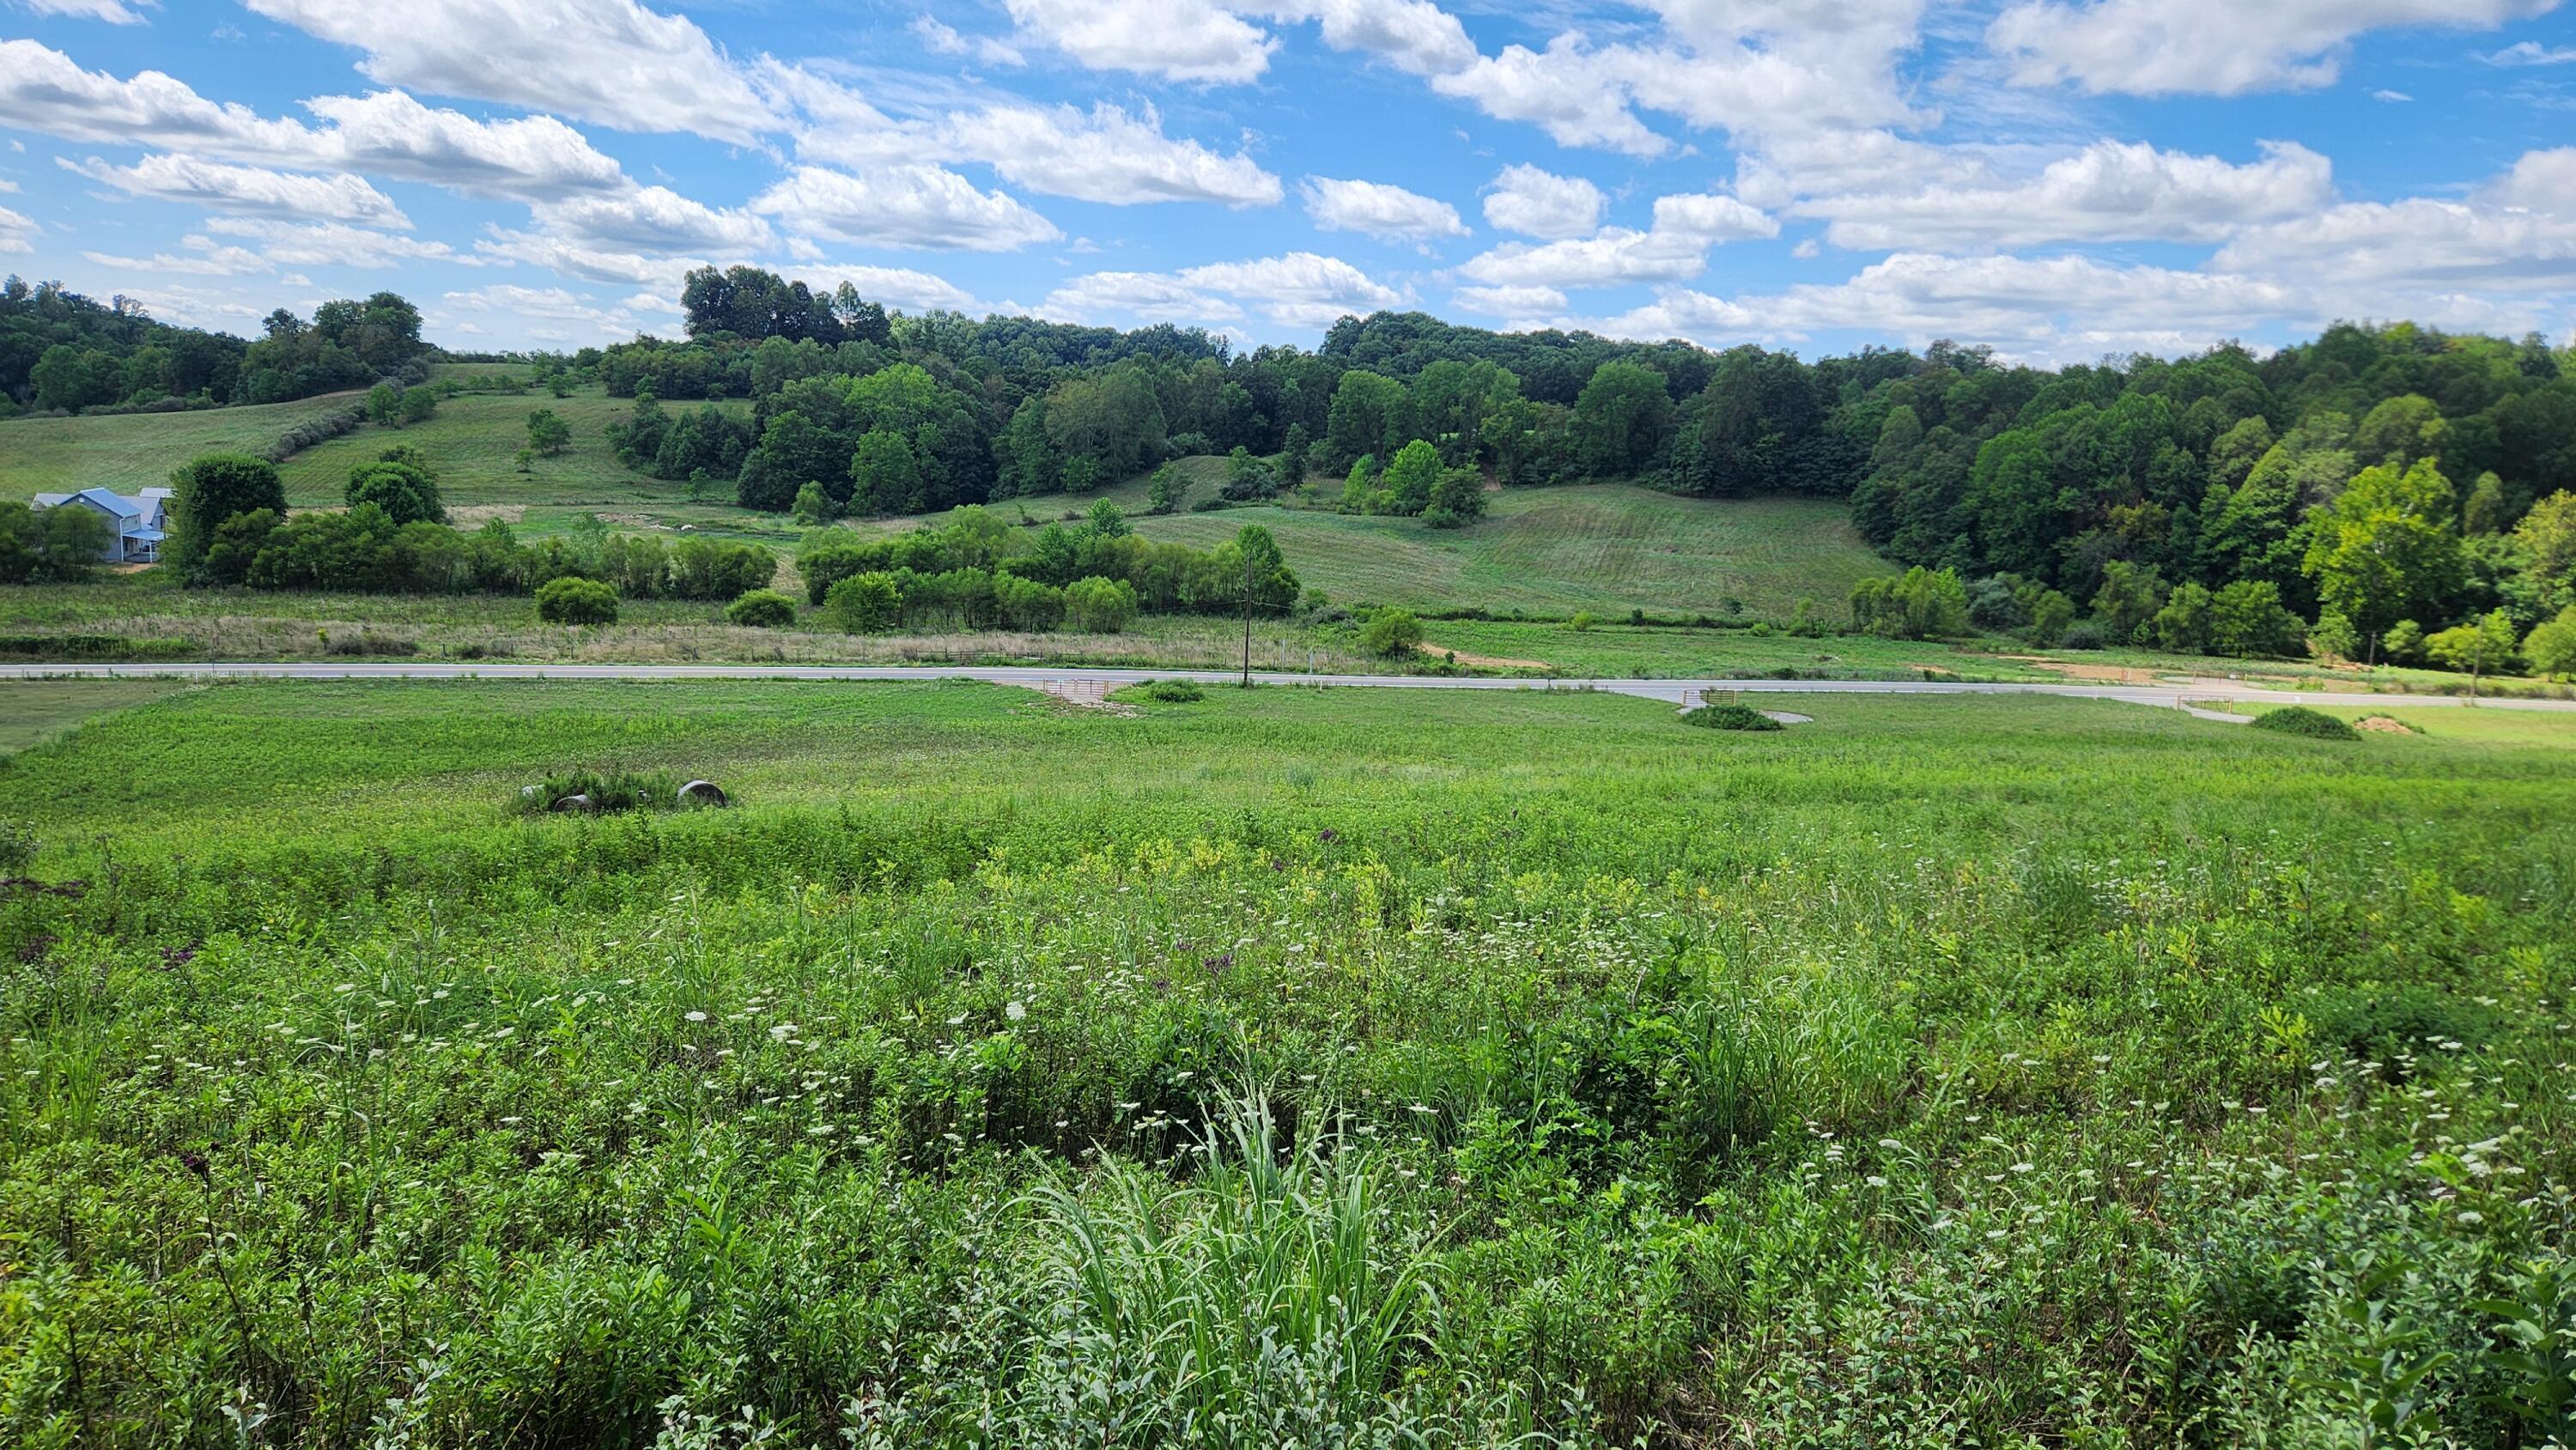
[1285,1066]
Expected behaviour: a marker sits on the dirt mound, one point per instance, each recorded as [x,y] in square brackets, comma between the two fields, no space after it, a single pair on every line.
[2385,725]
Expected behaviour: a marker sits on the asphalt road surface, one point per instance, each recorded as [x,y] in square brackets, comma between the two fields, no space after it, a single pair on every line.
[1092,682]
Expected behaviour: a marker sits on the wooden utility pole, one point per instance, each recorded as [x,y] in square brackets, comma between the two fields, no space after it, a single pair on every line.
[1247,633]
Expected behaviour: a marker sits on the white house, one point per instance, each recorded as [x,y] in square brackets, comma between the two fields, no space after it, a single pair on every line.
[136,524]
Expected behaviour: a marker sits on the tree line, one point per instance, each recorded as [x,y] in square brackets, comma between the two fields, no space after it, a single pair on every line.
[231,527]
[62,352]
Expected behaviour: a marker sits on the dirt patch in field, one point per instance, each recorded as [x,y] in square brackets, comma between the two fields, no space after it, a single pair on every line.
[1491,662]
[2099,674]
[1790,717]
[2384,725]
[472,515]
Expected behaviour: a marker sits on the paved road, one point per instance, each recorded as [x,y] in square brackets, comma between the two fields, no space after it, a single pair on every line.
[1092,681]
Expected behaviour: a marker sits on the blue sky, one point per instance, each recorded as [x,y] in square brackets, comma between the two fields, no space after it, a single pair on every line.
[2060,179]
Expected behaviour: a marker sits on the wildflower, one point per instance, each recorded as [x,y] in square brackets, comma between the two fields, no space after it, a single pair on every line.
[697,1016]
[1016,1011]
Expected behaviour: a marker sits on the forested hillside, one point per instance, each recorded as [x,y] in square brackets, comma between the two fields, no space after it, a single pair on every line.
[61,352]
[2375,478]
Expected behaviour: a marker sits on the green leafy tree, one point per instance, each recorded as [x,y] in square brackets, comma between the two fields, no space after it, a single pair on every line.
[2247,619]
[1029,604]
[2483,646]
[2551,646]
[814,507]
[2128,599]
[2335,637]
[2051,615]
[2188,622]
[212,488]
[1100,606]
[2403,643]
[548,433]
[1106,521]
[1391,634]
[1920,604]
[2546,540]
[885,476]
[870,603]
[384,405]
[1457,500]
[2385,549]
[1168,491]
[1370,414]
[419,405]
[50,545]
[406,491]
[1621,418]
[1411,475]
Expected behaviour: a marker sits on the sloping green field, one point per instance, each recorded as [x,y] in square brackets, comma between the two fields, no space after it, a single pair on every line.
[474,443]
[138,450]
[1532,1070]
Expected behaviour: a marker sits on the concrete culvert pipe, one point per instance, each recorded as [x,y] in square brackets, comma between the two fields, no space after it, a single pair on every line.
[702,793]
[573,803]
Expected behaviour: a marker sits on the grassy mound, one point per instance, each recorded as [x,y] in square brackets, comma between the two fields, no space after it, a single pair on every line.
[2300,720]
[1730,717]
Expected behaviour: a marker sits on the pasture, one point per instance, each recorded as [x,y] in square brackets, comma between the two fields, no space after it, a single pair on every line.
[1359,1067]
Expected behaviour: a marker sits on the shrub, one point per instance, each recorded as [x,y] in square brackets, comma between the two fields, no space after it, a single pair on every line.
[1391,633]
[1101,606]
[2300,720]
[762,609]
[1583,620]
[575,600]
[1730,717]
[869,603]
[1171,692]
[2087,635]
[1027,603]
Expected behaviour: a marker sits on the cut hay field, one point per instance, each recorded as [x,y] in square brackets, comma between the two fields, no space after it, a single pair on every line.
[1367,1067]
[473,443]
[138,450]
[1607,547]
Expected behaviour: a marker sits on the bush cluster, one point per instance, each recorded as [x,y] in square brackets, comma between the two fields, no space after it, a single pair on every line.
[1730,717]
[2301,720]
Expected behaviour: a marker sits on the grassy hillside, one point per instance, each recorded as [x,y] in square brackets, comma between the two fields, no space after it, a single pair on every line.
[133,451]
[1607,548]
[474,442]
[1604,547]
[2014,1071]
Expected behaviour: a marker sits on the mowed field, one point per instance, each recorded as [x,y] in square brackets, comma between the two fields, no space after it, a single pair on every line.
[1606,547]
[474,443]
[136,451]
[1344,1066]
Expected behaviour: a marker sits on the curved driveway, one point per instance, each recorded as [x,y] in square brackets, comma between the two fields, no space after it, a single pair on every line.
[1092,682]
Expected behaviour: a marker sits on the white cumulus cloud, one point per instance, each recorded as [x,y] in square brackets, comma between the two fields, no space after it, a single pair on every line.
[2109,191]
[610,61]
[902,206]
[1539,203]
[1376,209]
[1179,40]
[250,190]
[2215,47]
[1673,249]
